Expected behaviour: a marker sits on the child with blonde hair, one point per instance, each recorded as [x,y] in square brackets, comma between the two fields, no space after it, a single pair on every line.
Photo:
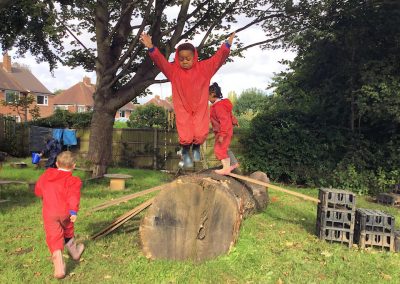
[60,193]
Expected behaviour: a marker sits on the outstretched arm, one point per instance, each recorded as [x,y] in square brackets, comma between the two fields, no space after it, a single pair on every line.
[215,62]
[156,56]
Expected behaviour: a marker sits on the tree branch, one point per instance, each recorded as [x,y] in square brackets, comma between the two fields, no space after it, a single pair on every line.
[180,24]
[263,42]
[71,33]
[119,39]
[128,53]
[216,21]
[126,12]
[258,20]
[194,12]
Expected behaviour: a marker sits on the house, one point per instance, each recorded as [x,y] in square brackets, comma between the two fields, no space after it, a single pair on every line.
[166,104]
[17,81]
[79,98]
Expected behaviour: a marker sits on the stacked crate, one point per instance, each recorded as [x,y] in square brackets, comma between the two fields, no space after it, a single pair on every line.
[336,215]
[374,228]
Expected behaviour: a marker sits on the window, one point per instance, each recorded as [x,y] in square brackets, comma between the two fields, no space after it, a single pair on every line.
[42,100]
[12,96]
[121,113]
[62,107]
[81,108]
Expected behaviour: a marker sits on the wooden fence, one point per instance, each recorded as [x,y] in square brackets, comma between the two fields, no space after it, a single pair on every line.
[14,137]
[153,148]
[139,148]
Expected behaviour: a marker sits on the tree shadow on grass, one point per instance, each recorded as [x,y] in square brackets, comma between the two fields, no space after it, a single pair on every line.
[297,216]
[17,195]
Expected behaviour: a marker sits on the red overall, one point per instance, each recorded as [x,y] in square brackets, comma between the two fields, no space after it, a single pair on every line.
[190,92]
[60,192]
[222,121]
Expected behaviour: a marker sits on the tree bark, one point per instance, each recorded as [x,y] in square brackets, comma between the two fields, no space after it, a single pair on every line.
[197,217]
[100,141]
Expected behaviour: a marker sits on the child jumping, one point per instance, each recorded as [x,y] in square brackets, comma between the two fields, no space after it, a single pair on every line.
[222,121]
[189,79]
[60,192]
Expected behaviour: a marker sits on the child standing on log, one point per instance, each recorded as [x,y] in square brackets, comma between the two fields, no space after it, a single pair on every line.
[189,79]
[60,192]
[222,120]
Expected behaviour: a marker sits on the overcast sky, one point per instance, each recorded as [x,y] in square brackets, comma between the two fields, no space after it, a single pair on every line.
[254,71]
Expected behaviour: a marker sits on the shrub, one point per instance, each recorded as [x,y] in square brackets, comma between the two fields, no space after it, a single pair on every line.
[64,119]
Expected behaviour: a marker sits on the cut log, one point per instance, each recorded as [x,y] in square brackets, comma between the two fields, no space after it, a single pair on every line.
[196,217]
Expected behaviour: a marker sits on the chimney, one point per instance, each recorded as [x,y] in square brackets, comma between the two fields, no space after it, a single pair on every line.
[7,62]
[86,80]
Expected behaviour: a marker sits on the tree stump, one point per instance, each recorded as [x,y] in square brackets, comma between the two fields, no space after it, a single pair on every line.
[197,217]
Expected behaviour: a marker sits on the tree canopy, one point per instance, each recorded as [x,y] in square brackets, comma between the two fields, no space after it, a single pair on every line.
[334,117]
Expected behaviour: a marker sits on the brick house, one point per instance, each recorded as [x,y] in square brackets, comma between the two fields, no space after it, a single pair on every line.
[79,98]
[166,104]
[17,81]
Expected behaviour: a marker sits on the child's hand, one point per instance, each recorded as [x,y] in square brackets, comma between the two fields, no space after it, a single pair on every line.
[220,139]
[146,40]
[73,218]
[230,39]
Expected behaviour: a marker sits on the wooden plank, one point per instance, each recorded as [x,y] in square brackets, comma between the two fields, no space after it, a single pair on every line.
[12,182]
[122,219]
[277,188]
[126,198]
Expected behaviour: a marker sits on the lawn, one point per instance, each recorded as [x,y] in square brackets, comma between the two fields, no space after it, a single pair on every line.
[275,246]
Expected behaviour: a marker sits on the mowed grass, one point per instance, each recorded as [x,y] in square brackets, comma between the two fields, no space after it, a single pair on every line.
[275,246]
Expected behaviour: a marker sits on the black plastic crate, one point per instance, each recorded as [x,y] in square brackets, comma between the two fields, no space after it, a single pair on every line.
[374,221]
[337,198]
[375,239]
[335,218]
[338,235]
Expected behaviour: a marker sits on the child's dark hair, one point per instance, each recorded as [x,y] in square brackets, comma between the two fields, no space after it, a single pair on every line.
[186,46]
[214,88]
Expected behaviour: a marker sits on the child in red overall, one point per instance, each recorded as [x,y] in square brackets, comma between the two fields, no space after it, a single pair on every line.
[222,121]
[190,79]
[60,192]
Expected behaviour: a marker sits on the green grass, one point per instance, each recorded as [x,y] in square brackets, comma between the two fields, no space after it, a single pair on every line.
[278,243]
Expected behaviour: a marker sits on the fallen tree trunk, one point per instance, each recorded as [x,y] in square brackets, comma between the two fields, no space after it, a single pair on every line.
[198,217]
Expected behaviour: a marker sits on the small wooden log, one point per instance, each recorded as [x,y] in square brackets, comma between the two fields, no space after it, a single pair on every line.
[196,217]
[117,181]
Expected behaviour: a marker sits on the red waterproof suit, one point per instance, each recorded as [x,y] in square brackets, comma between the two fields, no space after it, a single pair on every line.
[190,92]
[60,192]
[222,121]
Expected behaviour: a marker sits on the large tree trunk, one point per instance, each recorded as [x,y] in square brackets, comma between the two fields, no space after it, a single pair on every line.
[100,141]
[198,217]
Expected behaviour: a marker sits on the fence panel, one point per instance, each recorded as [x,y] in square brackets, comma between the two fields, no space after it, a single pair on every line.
[14,137]
[151,148]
